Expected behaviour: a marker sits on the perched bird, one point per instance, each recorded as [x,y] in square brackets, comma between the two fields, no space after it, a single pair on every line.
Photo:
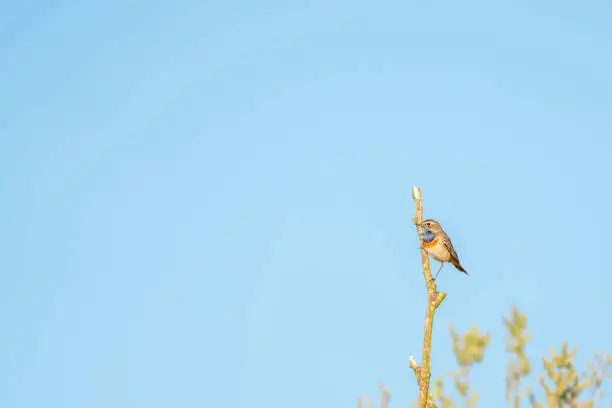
[437,244]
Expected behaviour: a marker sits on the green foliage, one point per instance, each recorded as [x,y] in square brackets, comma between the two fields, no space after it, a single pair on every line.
[560,384]
[565,386]
[518,366]
[469,350]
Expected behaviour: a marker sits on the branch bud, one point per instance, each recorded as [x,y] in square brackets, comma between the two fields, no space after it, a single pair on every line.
[413,363]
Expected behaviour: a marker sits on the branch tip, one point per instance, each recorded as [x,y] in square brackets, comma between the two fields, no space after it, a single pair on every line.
[416,193]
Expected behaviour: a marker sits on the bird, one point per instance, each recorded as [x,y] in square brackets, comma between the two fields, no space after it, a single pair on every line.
[438,244]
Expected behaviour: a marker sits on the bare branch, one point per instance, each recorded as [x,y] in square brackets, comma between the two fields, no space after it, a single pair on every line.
[434,299]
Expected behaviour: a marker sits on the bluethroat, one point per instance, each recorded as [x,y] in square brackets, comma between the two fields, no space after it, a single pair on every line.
[438,244]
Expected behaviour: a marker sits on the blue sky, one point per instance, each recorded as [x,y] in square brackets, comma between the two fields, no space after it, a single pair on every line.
[208,203]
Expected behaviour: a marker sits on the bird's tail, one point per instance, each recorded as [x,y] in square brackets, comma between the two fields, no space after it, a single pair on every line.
[459,267]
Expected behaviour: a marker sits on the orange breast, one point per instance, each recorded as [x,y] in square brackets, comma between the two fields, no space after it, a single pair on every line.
[433,243]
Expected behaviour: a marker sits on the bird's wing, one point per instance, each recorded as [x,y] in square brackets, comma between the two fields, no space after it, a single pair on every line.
[449,246]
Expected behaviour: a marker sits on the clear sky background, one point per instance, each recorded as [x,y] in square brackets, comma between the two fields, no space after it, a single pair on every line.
[207,204]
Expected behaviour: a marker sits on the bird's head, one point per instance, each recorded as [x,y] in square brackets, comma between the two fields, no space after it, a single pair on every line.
[432,225]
